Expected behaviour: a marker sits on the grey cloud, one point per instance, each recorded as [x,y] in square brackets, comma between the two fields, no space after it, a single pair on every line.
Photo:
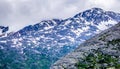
[19,13]
[5,10]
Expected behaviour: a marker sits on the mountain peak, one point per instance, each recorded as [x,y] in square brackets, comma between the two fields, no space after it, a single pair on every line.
[98,9]
[90,11]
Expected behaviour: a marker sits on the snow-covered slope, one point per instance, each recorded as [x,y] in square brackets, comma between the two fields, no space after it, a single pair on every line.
[54,38]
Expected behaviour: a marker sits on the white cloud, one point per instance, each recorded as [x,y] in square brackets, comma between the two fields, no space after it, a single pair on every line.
[19,13]
[106,4]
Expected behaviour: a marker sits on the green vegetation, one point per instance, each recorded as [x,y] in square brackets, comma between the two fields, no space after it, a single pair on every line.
[98,60]
[115,43]
[11,59]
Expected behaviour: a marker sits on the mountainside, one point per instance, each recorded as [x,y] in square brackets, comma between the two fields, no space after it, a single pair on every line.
[104,46]
[40,45]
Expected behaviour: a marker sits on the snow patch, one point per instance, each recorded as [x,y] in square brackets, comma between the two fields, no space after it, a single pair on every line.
[88,34]
[77,32]
[85,28]
[14,41]
[3,41]
[71,39]
[67,22]
[104,25]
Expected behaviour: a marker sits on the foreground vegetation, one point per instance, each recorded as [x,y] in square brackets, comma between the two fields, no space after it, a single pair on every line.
[98,60]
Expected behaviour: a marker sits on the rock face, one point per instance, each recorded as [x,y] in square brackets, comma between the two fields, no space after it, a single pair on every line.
[107,41]
[3,30]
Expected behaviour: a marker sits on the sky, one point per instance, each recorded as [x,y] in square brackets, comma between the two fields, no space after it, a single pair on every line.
[19,13]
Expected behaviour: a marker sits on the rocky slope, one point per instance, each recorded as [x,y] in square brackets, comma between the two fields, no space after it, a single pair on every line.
[107,42]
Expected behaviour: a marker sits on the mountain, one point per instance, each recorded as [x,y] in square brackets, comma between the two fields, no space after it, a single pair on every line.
[104,49]
[3,30]
[40,45]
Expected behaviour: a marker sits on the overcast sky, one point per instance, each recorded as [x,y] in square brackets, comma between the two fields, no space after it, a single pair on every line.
[19,13]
